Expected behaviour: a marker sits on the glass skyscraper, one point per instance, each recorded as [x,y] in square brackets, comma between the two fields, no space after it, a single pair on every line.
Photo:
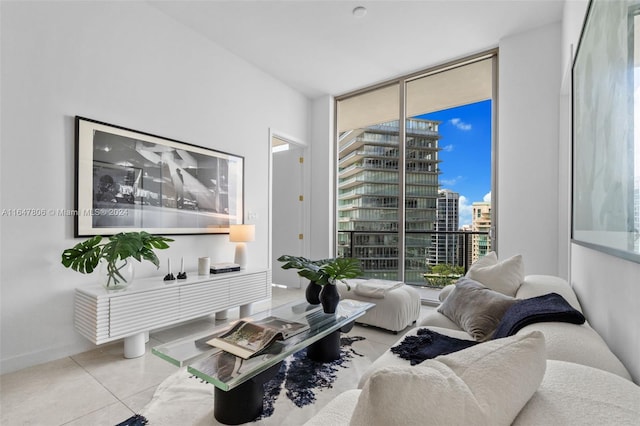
[368,194]
[445,246]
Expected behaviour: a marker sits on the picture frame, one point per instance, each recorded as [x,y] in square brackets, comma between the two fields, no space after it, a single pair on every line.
[606,130]
[128,180]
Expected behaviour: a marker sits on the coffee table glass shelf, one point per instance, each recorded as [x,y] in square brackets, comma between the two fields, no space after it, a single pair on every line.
[227,371]
[239,382]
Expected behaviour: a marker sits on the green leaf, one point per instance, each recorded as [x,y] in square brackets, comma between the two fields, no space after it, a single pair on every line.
[309,269]
[323,271]
[84,256]
[342,268]
[149,254]
[293,262]
[122,246]
[154,241]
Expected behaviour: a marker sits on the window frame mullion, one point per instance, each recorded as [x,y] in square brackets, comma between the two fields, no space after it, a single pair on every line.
[402,127]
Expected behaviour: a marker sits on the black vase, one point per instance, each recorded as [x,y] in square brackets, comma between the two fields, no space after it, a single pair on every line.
[312,293]
[329,297]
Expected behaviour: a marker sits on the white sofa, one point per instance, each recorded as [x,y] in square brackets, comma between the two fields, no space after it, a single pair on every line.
[580,381]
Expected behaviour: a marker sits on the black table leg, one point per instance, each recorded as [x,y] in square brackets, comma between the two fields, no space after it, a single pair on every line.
[242,404]
[328,348]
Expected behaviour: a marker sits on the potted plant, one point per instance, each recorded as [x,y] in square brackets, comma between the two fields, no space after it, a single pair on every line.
[114,254]
[323,275]
[309,269]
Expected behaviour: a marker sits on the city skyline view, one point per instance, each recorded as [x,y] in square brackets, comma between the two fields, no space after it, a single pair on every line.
[465,156]
[449,149]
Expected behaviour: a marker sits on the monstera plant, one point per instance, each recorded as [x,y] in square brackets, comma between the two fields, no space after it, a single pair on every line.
[325,271]
[323,275]
[115,253]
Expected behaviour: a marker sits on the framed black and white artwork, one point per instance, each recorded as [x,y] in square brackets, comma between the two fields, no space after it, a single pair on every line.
[127,180]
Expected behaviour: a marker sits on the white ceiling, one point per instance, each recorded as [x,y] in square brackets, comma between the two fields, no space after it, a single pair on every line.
[320,47]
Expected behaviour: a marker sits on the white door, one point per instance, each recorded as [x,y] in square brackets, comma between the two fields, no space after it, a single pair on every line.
[288,208]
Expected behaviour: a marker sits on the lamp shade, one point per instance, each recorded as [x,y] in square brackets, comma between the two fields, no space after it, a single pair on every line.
[242,233]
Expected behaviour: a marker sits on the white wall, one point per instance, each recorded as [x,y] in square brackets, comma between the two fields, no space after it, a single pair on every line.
[608,287]
[528,191]
[322,179]
[535,180]
[573,16]
[128,64]
[609,290]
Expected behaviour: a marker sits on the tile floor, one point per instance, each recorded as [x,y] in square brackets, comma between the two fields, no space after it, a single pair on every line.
[100,387]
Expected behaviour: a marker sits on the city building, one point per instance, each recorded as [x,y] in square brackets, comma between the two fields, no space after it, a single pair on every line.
[481,222]
[445,246]
[368,194]
[465,245]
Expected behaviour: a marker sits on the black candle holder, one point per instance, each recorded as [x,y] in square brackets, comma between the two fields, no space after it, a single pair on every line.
[169,276]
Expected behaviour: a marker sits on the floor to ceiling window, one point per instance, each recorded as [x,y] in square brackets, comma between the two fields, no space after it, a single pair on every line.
[369,180]
[408,188]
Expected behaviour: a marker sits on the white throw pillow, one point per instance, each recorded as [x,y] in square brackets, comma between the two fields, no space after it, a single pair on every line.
[487,384]
[445,291]
[488,259]
[504,277]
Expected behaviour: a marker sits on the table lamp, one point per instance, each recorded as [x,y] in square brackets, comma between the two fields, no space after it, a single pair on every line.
[241,234]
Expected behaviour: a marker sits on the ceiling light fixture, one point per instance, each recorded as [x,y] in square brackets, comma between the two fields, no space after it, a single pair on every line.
[359,11]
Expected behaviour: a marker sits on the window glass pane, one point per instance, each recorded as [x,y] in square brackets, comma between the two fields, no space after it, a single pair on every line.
[448,172]
[421,165]
[368,190]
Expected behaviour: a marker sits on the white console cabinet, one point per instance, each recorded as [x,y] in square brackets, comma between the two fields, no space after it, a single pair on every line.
[150,303]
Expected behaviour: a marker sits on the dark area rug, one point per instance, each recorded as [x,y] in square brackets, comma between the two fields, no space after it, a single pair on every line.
[300,389]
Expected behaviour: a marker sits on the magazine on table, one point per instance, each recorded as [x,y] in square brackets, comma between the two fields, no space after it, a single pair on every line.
[248,338]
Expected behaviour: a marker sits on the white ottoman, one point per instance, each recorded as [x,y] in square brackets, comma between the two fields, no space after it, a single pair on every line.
[395,310]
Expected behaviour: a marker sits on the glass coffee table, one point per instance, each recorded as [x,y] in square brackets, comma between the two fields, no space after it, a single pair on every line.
[239,382]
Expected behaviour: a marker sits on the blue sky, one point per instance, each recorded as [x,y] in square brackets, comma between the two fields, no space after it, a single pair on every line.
[466,153]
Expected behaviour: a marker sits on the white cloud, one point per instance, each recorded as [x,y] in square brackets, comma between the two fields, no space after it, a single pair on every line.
[460,124]
[451,182]
[447,148]
[465,208]
[465,211]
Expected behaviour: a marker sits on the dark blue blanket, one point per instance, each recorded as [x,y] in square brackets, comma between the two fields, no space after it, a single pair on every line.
[429,344]
[546,308]
[136,420]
